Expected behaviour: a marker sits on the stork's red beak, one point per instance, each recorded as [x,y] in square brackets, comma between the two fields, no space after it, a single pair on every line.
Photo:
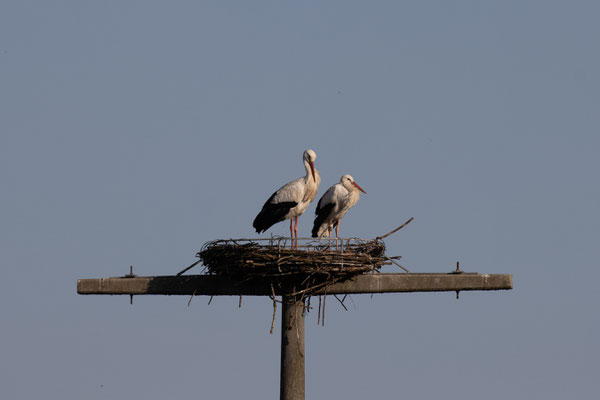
[358,187]
[312,170]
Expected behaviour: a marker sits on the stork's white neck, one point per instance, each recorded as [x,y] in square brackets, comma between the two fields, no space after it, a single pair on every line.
[309,175]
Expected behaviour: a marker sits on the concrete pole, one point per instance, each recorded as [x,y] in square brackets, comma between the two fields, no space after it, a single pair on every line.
[292,349]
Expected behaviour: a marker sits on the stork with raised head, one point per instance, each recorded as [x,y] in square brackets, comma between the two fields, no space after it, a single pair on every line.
[290,200]
[333,205]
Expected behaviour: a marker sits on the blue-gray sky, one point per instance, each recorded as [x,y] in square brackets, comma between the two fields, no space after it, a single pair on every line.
[133,132]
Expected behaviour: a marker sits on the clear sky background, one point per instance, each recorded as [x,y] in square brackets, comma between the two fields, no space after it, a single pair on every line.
[132,132]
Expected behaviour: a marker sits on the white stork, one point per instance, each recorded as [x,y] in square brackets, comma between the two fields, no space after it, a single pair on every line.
[290,200]
[334,204]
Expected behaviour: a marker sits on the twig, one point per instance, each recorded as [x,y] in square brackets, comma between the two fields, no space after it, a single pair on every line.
[191,297]
[188,268]
[395,230]
[319,313]
[324,300]
[341,301]
[274,308]
[405,269]
[274,314]
[209,300]
[240,304]
[272,291]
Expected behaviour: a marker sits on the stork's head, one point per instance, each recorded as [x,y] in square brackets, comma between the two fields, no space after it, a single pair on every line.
[348,182]
[309,157]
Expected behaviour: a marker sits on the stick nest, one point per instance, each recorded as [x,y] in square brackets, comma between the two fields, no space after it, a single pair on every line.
[273,258]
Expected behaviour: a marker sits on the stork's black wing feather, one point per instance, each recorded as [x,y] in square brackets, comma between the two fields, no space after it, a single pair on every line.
[272,213]
[322,213]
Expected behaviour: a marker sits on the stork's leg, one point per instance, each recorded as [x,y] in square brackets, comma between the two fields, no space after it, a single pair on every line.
[292,231]
[296,232]
[337,231]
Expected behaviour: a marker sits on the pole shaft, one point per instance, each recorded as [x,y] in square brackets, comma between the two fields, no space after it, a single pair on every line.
[292,349]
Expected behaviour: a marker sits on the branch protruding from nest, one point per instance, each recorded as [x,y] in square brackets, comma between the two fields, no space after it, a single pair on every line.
[395,230]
